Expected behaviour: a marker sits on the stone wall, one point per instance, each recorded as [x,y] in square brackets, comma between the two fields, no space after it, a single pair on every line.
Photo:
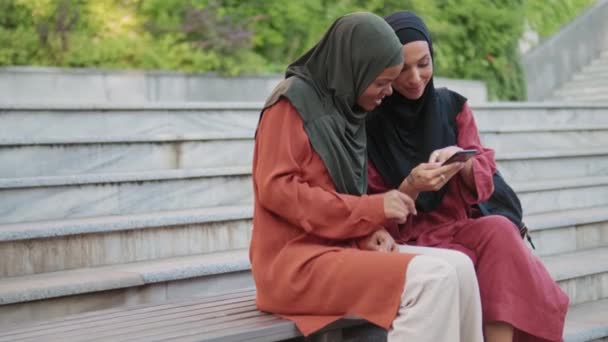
[55,85]
[555,61]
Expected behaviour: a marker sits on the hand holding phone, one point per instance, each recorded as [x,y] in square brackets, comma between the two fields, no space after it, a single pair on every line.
[460,156]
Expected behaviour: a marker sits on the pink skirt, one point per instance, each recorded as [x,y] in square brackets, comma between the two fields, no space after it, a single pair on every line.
[515,286]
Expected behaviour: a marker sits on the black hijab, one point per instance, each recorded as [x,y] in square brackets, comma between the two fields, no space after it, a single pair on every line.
[402,133]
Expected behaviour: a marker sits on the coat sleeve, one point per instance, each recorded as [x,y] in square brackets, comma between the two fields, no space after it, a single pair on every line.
[484,165]
[281,147]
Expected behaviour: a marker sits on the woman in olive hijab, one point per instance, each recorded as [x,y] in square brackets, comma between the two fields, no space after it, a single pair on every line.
[310,179]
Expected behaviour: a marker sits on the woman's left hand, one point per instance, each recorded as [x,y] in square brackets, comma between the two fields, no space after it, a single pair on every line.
[441,155]
[380,241]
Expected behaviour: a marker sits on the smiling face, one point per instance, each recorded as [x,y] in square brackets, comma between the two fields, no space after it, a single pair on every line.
[379,88]
[417,70]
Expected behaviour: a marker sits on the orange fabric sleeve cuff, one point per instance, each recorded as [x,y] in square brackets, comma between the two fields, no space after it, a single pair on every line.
[375,206]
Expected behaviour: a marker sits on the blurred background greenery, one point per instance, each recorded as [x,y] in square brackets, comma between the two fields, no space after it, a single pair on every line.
[474,39]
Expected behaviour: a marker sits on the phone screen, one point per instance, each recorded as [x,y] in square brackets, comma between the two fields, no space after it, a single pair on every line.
[460,156]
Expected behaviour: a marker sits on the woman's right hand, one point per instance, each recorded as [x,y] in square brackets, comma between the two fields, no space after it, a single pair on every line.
[397,206]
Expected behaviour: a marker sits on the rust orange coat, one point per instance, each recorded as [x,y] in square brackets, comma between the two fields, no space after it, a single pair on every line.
[305,265]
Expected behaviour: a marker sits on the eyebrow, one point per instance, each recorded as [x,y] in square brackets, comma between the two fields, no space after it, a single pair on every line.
[426,55]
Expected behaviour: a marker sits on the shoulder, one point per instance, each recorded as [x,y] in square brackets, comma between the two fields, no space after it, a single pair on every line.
[282,109]
[300,94]
[451,99]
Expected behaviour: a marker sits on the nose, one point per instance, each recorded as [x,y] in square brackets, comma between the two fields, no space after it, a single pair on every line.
[415,76]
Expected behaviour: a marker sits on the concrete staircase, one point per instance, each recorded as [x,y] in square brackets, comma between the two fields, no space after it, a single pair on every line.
[588,85]
[104,206]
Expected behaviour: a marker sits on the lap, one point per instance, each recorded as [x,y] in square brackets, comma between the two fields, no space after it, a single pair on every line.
[475,237]
[452,257]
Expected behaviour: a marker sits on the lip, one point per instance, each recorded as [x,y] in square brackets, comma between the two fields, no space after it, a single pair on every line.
[414,89]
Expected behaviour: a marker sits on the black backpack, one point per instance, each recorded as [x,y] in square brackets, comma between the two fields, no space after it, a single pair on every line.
[504,202]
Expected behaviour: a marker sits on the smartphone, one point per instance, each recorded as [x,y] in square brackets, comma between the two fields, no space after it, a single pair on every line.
[460,156]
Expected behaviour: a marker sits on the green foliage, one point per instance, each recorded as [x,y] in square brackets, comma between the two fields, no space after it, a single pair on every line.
[471,48]
[548,16]
[474,39]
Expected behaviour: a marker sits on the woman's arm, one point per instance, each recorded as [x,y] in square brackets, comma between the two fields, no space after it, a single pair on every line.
[281,147]
[478,171]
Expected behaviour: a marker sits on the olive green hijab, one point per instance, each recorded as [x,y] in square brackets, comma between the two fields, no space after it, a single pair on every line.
[324,84]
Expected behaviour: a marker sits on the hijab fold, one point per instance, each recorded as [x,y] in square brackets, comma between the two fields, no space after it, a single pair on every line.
[401,132]
[324,84]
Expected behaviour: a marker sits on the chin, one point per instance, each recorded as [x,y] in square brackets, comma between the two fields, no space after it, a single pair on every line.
[369,107]
[414,96]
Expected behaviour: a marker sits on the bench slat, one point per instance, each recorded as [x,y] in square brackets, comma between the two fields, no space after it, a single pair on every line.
[180,322]
[227,317]
[136,322]
[126,315]
[204,333]
[264,331]
[152,330]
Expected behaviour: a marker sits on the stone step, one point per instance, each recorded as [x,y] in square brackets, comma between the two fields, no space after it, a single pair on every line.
[534,116]
[542,196]
[77,158]
[50,246]
[63,197]
[73,158]
[587,322]
[578,96]
[583,275]
[514,141]
[82,196]
[569,230]
[21,124]
[601,60]
[585,83]
[49,295]
[590,75]
[553,164]
[80,124]
[52,295]
[599,99]
[595,90]
[599,66]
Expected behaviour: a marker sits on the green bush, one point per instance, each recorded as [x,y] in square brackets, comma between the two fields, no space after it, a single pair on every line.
[474,39]
[547,16]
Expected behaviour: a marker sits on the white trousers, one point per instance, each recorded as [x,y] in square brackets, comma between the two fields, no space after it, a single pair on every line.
[440,301]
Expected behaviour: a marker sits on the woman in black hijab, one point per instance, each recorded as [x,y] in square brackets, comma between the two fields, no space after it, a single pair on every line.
[410,135]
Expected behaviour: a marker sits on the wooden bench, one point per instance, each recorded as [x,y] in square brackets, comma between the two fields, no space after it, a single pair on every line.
[226,317]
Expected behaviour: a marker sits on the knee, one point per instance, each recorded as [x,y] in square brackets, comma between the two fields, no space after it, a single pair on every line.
[433,269]
[462,264]
[498,229]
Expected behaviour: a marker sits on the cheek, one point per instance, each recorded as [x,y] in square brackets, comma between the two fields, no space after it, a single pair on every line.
[426,74]
[372,92]
[401,81]
[365,97]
